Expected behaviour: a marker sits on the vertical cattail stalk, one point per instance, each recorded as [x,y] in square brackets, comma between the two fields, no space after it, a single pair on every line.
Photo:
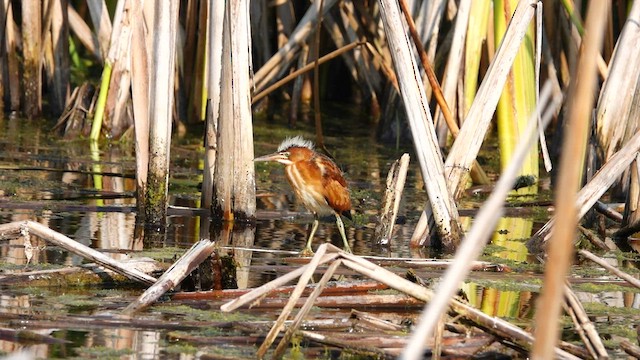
[215,35]
[31,44]
[140,99]
[10,43]
[234,180]
[161,110]
[59,77]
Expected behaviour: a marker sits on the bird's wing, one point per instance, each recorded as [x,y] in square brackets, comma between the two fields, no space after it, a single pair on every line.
[337,195]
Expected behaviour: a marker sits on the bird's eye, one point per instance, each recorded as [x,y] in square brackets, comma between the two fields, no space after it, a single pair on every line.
[285,153]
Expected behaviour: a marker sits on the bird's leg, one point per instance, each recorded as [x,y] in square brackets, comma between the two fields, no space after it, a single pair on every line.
[344,237]
[307,249]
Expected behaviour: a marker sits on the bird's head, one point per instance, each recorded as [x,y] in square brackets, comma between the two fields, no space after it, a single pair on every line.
[290,150]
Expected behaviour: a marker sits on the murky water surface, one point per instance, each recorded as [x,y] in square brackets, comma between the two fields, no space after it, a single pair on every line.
[88,194]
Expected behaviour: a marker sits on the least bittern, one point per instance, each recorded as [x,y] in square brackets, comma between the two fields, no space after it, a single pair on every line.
[317,182]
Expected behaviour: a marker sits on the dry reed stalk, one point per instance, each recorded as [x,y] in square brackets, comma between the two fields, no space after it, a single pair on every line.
[101,23]
[188,42]
[173,276]
[391,202]
[478,236]
[281,60]
[373,321]
[4,81]
[594,238]
[296,92]
[160,111]
[58,239]
[244,178]
[428,18]
[214,89]
[347,302]
[356,347]
[612,269]
[140,98]
[80,28]
[577,32]
[31,53]
[421,124]
[585,326]
[58,38]
[561,246]
[234,180]
[551,73]
[194,53]
[614,110]
[11,48]
[456,56]
[222,203]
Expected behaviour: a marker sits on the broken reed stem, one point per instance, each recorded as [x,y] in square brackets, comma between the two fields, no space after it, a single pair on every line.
[570,173]
[75,247]
[173,276]
[593,238]
[395,186]
[295,325]
[612,269]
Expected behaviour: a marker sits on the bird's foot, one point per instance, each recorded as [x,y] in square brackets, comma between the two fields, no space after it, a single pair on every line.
[307,252]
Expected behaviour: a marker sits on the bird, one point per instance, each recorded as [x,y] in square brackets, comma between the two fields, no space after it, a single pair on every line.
[317,182]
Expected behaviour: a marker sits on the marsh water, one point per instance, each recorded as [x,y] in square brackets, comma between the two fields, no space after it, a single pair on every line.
[88,194]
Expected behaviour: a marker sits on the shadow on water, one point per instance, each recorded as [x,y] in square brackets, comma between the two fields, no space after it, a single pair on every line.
[89,195]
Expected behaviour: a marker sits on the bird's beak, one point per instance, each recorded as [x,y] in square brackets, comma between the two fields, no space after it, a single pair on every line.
[271,157]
